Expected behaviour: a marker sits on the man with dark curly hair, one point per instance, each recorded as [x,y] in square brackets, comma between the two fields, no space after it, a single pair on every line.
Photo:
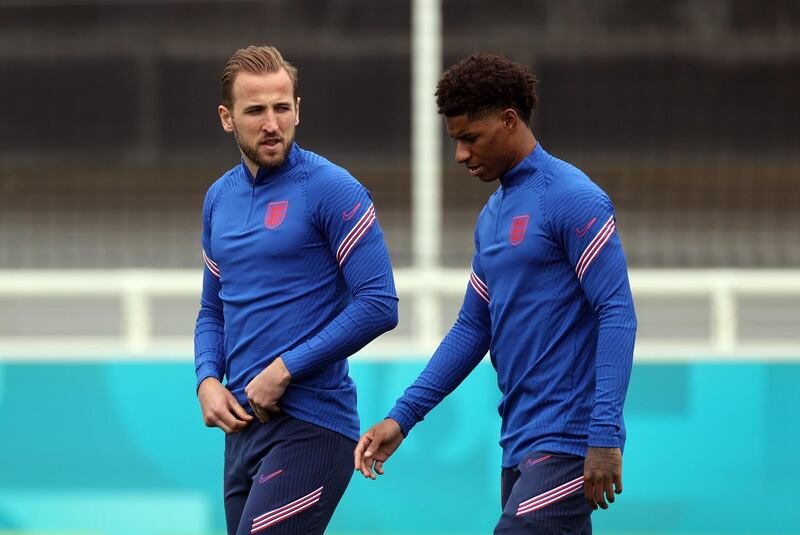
[548,296]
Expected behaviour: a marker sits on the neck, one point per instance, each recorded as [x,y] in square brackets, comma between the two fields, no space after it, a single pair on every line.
[525,145]
[251,165]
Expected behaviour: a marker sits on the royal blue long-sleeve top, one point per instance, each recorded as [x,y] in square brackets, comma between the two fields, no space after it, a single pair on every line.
[549,298]
[295,266]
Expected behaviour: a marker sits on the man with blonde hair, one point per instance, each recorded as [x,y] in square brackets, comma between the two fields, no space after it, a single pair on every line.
[297,278]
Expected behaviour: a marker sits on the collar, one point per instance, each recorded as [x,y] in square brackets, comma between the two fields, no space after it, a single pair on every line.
[265,174]
[526,168]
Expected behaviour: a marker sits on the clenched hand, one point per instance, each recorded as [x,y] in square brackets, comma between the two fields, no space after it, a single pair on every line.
[266,388]
[220,408]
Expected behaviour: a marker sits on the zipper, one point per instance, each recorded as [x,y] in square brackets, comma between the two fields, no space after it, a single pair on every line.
[499,213]
[249,214]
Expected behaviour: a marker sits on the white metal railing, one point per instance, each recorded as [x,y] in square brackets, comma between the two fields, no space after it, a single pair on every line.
[136,290]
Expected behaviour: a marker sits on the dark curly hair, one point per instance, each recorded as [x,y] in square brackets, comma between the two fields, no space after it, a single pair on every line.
[485,82]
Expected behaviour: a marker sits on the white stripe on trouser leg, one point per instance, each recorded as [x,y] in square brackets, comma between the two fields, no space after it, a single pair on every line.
[282,513]
[551,496]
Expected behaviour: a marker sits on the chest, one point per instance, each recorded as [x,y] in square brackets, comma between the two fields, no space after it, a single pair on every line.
[261,224]
[514,235]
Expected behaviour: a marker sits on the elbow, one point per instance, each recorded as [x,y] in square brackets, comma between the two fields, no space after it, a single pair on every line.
[379,311]
[632,321]
[618,314]
[209,316]
[391,317]
[388,317]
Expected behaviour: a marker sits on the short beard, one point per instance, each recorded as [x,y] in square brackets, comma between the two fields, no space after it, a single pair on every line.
[252,154]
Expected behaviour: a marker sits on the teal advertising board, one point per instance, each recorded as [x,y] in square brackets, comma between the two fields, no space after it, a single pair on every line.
[120,449]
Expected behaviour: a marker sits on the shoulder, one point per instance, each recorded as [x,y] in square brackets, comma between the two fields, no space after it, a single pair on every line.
[567,187]
[326,179]
[219,187]
[320,169]
[222,182]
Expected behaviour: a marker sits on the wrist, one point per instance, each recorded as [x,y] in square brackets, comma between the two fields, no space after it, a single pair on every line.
[208,382]
[207,370]
[395,427]
[284,376]
[402,418]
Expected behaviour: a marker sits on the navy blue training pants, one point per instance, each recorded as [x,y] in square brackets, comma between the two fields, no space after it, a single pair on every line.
[543,495]
[284,477]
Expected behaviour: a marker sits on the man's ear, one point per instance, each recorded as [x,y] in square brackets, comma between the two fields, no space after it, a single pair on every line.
[297,115]
[225,118]
[510,119]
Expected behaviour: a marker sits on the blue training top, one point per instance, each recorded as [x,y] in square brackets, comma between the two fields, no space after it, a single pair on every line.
[549,297]
[295,266]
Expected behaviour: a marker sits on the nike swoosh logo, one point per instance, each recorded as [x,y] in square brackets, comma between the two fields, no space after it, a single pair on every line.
[264,479]
[531,462]
[347,216]
[581,233]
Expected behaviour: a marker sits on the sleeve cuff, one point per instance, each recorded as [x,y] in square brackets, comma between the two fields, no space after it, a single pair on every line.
[297,361]
[604,436]
[206,370]
[404,417]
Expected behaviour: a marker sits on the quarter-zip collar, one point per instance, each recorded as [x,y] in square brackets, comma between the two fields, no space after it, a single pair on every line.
[524,169]
[265,174]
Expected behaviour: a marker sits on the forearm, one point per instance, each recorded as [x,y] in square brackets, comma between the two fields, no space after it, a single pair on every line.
[614,360]
[364,319]
[209,348]
[209,332]
[458,354]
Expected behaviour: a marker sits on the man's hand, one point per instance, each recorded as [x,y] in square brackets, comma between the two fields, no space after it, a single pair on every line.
[602,476]
[266,388]
[376,445]
[220,408]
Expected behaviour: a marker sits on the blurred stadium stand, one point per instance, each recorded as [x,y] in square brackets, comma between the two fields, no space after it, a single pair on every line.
[685,111]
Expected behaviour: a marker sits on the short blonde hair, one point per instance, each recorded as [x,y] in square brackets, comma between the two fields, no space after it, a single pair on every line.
[255,60]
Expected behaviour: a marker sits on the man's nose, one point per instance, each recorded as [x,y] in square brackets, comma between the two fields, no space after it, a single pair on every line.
[270,125]
[462,154]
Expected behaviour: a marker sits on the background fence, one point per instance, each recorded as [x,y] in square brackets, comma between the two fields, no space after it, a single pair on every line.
[683,315]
